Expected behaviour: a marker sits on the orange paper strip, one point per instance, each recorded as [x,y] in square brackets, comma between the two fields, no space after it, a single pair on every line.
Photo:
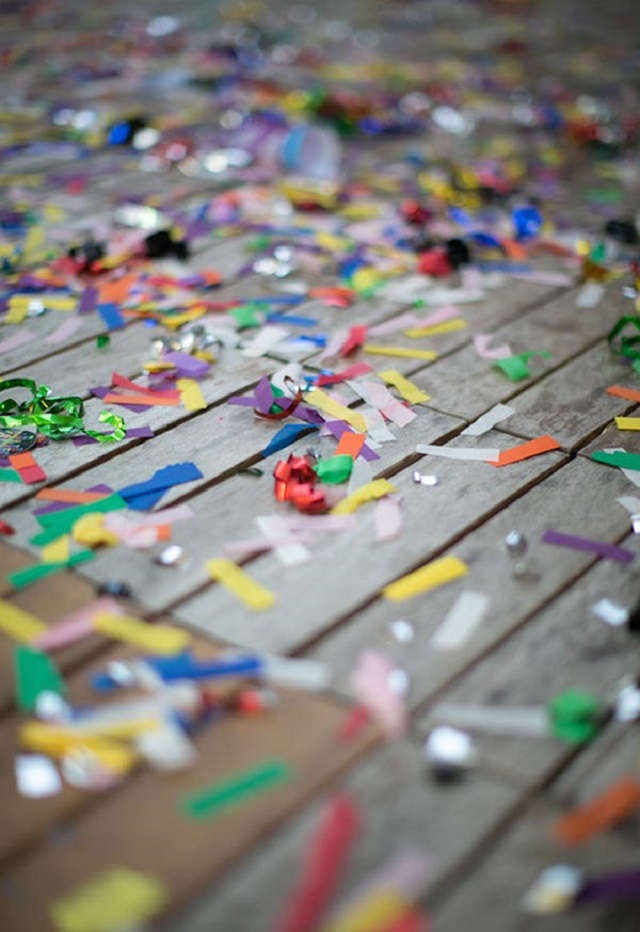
[631,394]
[524,450]
[69,495]
[615,804]
[29,470]
[114,292]
[115,399]
[350,444]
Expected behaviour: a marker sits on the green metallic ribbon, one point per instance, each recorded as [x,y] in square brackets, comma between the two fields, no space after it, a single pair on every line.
[624,345]
[56,418]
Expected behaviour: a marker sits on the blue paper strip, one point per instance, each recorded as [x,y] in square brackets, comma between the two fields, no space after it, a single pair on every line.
[144,495]
[285,437]
[111,316]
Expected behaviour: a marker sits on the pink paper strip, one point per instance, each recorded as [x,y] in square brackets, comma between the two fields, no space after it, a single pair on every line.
[371,684]
[481,342]
[65,331]
[77,625]
[388,519]
[406,321]
[18,339]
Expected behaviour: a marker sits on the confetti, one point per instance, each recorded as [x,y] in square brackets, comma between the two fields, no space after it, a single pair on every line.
[236,789]
[435,574]
[250,593]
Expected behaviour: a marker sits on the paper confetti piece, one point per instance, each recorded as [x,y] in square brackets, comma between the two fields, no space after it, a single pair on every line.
[488,421]
[350,444]
[324,862]
[399,351]
[56,523]
[65,331]
[628,423]
[388,519]
[111,316]
[69,495]
[407,389]
[58,551]
[154,638]
[619,391]
[23,578]
[142,496]
[353,372]
[618,458]
[461,621]
[16,340]
[472,454]
[516,368]
[334,409]
[113,398]
[114,899]
[10,475]
[612,806]
[371,685]
[20,625]
[449,326]
[586,545]
[285,437]
[35,674]
[30,472]
[438,573]
[526,450]
[481,343]
[366,493]
[76,626]
[264,341]
[236,789]
[191,395]
[250,592]
[590,295]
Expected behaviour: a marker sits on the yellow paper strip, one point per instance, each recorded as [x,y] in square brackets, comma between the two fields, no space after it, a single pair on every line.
[324,402]
[18,624]
[427,577]
[58,551]
[366,493]
[190,395]
[15,315]
[157,639]
[402,351]
[407,389]
[628,423]
[52,302]
[448,326]
[114,899]
[57,742]
[370,913]
[250,592]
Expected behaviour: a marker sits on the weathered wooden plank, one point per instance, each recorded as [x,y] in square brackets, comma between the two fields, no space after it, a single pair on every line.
[350,570]
[560,502]
[565,646]
[141,826]
[401,808]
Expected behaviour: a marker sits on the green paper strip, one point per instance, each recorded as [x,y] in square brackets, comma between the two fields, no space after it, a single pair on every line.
[246,316]
[516,367]
[56,523]
[9,475]
[35,673]
[334,470]
[236,789]
[621,459]
[23,578]
[574,716]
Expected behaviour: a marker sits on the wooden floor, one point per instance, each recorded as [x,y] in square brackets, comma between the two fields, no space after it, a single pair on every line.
[490,834]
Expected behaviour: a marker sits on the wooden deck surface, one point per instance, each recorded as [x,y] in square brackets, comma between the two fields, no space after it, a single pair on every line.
[488,835]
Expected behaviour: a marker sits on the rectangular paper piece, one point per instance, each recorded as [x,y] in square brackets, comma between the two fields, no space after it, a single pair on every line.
[116,898]
[476,454]
[586,545]
[616,803]
[437,573]
[628,423]
[487,421]
[526,450]
[250,592]
[463,618]
[236,789]
[407,389]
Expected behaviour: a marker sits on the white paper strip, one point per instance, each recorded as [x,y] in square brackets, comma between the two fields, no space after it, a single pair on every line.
[361,474]
[590,295]
[289,554]
[493,720]
[480,454]
[611,612]
[488,420]
[452,296]
[464,616]
[630,502]
[264,341]
[376,426]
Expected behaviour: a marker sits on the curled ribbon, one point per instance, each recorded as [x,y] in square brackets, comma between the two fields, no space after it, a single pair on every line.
[56,418]
[623,344]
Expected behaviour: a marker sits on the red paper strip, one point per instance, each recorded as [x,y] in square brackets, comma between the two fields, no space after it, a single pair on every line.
[30,472]
[524,450]
[357,719]
[353,372]
[619,391]
[119,381]
[325,860]
[357,336]
[113,398]
[616,803]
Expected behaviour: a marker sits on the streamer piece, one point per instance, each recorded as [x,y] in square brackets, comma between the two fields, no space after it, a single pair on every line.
[191,395]
[321,400]
[250,593]
[619,391]
[401,352]
[35,674]
[20,625]
[115,899]
[407,389]
[438,573]
[516,368]
[619,458]
[366,493]
[586,545]
[27,468]
[628,423]
[526,450]
[236,789]
[609,808]
[154,638]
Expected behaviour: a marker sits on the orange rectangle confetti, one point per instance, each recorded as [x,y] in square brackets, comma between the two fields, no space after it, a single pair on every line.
[525,450]
[350,444]
[29,470]
[619,391]
[114,399]
[616,803]
[70,495]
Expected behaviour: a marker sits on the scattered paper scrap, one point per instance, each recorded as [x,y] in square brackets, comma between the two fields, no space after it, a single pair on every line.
[628,423]
[524,451]
[471,454]
[250,592]
[461,622]
[372,685]
[612,806]
[116,898]
[488,421]
[376,489]
[407,389]
[154,638]
[438,573]
[236,789]
[586,545]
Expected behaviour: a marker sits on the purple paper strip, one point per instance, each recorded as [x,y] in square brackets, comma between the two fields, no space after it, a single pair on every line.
[263,394]
[101,390]
[584,544]
[618,885]
[189,366]
[338,428]
[85,441]
[88,301]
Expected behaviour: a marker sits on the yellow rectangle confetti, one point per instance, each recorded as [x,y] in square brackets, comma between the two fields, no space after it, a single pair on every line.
[379,909]
[191,395]
[407,389]
[58,551]
[19,624]
[114,899]
[157,639]
[403,352]
[628,423]
[366,493]
[327,404]
[427,577]
[447,326]
[250,592]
